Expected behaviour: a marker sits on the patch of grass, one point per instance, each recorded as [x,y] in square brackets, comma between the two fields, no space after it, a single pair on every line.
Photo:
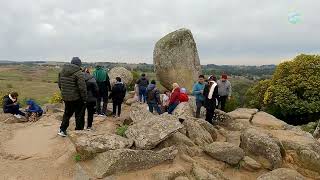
[77,157]
[310,127]
[121,130]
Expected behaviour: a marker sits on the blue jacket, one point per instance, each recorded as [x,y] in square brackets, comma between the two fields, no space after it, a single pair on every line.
[33,107]
[196,91]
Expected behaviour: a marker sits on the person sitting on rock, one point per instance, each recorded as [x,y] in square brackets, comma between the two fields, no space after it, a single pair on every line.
[183,97]
[174,99]
[153,97]
[92,92]
[117,95]
[210,93]
[33,111]
[166,100]
[143,83]
[10,105]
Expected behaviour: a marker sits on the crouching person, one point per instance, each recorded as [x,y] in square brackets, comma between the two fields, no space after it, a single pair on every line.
[33,111]
[117,95]
[10,105]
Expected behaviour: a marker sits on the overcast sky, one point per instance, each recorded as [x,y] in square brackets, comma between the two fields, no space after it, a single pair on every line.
[226,31]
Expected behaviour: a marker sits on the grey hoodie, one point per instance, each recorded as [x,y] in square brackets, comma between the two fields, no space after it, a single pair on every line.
[224,88]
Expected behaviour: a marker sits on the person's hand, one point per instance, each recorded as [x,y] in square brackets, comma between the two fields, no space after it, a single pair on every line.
[201,91]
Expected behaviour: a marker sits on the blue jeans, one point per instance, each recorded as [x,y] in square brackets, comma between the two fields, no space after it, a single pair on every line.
[154,106]
[172,107]
[143,94]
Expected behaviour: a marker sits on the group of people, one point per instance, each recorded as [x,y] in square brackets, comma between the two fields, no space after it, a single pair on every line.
[11,106]
[82,90]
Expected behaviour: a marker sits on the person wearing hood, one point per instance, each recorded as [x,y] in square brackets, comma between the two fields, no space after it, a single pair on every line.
[118,92]
[92,92]
[143,83]
[153,97]
[174,98]
[104,86]
[33,110]
[10,105]
[210,93]
[74,94]
[224,90]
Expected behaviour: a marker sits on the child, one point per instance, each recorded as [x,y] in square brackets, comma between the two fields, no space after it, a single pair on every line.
[183,95]
[33,110]
[117,95]
[10,105]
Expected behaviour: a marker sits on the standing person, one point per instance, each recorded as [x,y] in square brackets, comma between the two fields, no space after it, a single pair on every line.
[210,93]
[117,95]
[143,83]
[174,98]
[104,86]
[33,111]
[224,89]
[74,94]
[10,105]
[92,92]
[197,91]
[153,97]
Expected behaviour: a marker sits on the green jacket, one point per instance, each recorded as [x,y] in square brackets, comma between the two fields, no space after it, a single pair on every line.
[100,75]
[72,84]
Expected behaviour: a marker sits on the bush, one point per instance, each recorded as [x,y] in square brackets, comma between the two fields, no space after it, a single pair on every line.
[77,158]
[56,98]
[121,130]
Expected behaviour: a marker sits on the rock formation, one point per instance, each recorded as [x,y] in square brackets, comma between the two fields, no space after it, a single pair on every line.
[125,75]
[176,59]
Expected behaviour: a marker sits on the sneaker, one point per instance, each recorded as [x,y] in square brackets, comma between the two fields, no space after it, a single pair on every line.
[17,116]
[89,129]
[61,133]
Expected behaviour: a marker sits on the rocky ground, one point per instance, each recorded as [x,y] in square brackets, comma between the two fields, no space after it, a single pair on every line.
[245,144]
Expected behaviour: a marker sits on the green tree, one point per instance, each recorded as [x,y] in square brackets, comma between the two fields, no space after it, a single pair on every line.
[255,95]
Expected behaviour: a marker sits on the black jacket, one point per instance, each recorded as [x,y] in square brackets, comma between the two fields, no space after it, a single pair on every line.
[143,82]
[72,84]
[7,103]
[92,87]
[210,103]
[118,92]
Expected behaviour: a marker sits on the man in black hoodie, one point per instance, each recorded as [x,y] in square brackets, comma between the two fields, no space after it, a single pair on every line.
[143,83]
[11,106]
[74,94]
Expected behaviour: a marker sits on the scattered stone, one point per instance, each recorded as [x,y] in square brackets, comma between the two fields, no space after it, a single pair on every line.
[202,174]
[183,110]
[250,164]
[260,144]
[139,112]
[222,118]
[53,108]
[169,175]
[208,127]
[281,174]
[123,160]
[88,145]
[150,132]
[309,160]
[131,101]
[197,133]
[225,152]
[125,75]
[176,53]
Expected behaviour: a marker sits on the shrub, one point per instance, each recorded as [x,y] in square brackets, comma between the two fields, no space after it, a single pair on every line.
[77,158]
[121,130]
[56,98]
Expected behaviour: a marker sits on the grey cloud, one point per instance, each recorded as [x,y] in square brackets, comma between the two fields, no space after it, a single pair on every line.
[226,32]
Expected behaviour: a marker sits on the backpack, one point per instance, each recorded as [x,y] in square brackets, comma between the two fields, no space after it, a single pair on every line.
[183,97]
[151,95]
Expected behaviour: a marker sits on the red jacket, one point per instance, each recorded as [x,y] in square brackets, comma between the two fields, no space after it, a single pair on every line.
[174,98]
[183,97]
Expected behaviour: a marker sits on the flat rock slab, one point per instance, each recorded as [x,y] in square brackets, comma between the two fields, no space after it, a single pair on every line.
[250,164]
[267,121]
[148,133]
[225,152]
[282,174]
[199,135]
[242,113]
[124,160]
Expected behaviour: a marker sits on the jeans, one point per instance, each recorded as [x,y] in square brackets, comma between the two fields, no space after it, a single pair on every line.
[116,105]
[143,94]
[222,102]
[199,104]
[104,107]
[14,109]
[73,107]
[91,109]
[172,107]
[210,114]
[154,106]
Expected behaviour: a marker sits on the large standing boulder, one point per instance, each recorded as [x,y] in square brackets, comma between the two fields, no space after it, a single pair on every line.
[148,133]
[260,144]
[88,145]
[176,59]
[226,152]
[125,75]
[282,174]
[123,160]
